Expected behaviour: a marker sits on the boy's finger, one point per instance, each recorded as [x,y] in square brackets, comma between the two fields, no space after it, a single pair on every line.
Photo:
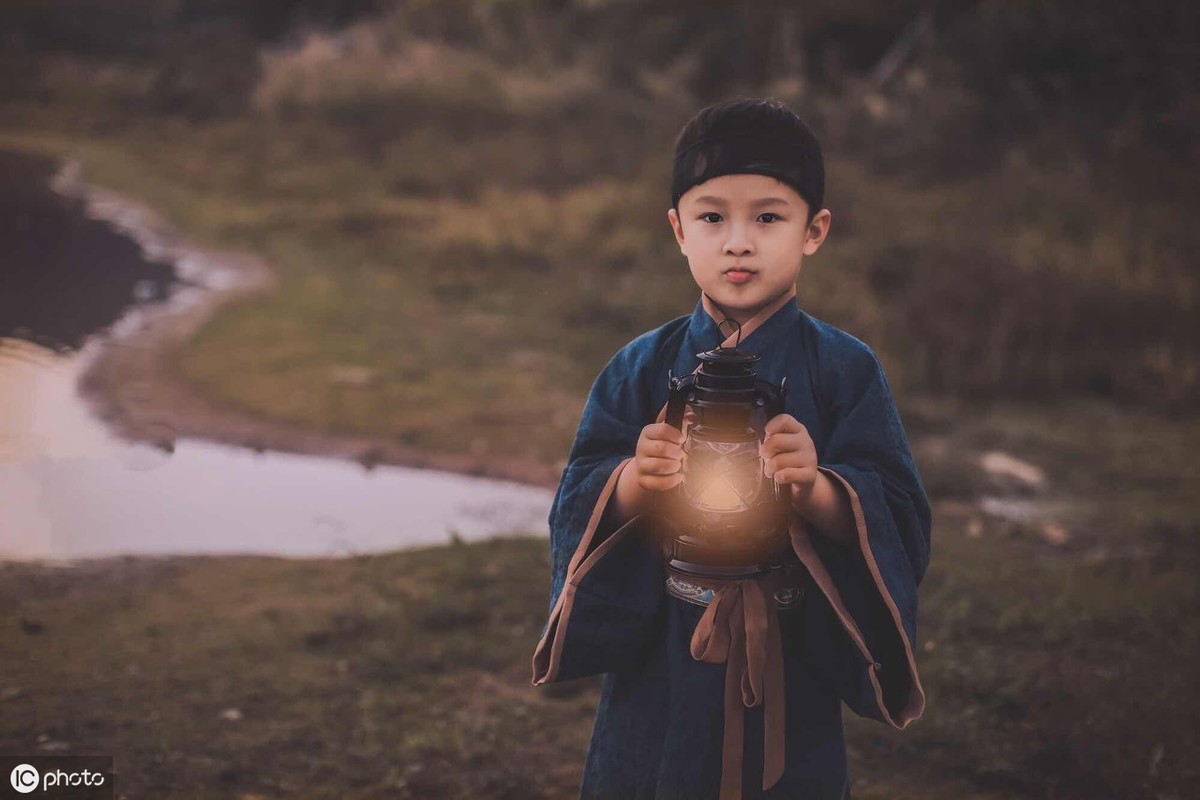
[660,484]
[783,423]
[659,466]
[657,448]
[793,475]
[661,431]
[785,442]
[777,443]
[791,459]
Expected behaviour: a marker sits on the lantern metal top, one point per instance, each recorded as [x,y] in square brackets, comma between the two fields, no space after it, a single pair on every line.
[728,356]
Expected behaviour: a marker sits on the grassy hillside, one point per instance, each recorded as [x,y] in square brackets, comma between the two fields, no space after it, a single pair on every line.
[468,200]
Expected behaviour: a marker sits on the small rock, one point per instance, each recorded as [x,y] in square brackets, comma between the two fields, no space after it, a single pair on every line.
[876,105]
[371,457]
[231,714]
[1055,534]
[998,463]
[1009,509]
[54,746]
[975,528]
[351,375]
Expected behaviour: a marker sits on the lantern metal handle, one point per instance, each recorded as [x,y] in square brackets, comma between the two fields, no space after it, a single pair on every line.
[680,389]
[774,397]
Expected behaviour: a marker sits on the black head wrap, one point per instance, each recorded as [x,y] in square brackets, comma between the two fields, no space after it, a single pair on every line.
[792,154]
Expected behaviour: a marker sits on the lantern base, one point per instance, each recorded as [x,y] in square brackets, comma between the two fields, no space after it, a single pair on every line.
[749,540]
[715,571]
[746,560]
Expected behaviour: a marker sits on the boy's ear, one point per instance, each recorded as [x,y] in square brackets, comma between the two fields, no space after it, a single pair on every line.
[676,226]
[818,229]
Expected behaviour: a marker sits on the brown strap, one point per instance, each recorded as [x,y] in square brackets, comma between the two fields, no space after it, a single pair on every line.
[741,628]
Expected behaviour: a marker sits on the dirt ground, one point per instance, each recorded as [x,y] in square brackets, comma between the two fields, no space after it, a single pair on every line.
[407,675]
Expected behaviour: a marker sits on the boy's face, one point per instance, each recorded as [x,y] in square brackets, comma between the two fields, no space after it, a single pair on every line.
[745,237]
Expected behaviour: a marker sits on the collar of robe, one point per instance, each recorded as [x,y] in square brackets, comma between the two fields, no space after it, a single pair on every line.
[751,325]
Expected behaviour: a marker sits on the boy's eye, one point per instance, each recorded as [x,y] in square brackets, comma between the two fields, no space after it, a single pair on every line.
[714,217]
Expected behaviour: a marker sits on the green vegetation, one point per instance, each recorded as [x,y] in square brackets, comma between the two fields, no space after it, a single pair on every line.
[1053,670]
[470,225]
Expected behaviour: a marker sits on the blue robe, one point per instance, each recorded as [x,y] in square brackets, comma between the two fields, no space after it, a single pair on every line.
[658,728]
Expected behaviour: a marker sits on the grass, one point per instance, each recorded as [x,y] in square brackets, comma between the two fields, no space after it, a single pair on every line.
[343,679]
[1053,671]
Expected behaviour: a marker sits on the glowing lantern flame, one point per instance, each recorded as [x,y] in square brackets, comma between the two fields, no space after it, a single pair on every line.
[723,476]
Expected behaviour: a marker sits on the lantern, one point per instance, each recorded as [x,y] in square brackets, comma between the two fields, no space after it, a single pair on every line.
[726,518]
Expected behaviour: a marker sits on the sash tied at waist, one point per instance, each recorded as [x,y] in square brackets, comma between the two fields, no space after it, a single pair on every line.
[741,628]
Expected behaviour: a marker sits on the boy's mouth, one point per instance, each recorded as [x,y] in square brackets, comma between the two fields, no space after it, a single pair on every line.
[739,274]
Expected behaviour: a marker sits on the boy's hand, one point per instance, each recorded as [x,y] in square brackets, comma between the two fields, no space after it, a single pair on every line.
[789,456]
[659,457]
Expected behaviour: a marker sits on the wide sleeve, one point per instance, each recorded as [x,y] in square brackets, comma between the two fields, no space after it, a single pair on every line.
[606,581]
[862,637]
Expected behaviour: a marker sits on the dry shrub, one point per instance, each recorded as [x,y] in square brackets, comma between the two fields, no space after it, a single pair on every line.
[973,325]
[373,65]
[599,223]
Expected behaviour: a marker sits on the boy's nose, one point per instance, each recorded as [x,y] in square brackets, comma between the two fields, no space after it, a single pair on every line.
[738,246]
[739,242]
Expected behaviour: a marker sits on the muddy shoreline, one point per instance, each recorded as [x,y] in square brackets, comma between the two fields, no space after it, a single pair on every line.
[131,384]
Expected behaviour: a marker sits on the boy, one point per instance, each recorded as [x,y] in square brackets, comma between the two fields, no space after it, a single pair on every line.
[720,689]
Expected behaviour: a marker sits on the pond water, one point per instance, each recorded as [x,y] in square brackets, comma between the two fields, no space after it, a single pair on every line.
[70,489]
